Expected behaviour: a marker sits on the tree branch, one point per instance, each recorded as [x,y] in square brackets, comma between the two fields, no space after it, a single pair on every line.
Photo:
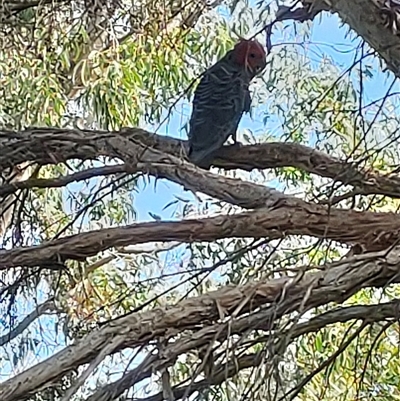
[284,215]
[220,375]
[374,231]
[51,146]
[8,189]
[337,282]
[376,21]
[40,310]
[9,9]
[219,332]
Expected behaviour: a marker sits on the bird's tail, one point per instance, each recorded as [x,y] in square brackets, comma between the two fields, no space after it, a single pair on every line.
[201,157]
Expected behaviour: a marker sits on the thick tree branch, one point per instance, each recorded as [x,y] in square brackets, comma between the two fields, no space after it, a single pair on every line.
[219,332]
[45,146]
[374,231]
[366,313]
[337,282]
[221,374]
[284,215]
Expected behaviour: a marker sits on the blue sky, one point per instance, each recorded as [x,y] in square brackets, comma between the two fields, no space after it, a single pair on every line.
[329,39]
[332,40]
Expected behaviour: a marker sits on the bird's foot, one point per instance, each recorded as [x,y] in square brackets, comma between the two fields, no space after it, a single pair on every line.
[237,144]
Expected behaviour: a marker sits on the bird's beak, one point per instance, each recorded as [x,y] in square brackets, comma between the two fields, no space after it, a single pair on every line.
[258,69]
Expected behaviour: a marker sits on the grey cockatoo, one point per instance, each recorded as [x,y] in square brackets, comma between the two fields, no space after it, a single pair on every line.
[221,98]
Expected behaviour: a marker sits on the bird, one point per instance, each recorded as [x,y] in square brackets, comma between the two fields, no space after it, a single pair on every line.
[221,98]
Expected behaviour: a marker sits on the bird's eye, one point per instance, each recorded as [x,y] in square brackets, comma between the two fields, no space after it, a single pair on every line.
[252,55]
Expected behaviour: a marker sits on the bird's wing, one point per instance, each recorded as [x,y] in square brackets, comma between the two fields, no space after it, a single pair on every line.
[247,100]
[218,106]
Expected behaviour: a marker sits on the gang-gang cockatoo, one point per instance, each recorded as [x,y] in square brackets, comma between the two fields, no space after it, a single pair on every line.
[221,98]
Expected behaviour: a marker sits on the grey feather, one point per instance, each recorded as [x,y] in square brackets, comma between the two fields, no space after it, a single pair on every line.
[220,100]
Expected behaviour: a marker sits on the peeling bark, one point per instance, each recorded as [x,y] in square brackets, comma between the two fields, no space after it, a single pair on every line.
[278,215]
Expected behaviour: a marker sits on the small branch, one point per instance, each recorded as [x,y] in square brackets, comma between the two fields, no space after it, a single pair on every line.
[28,320]
[58,182]
[294,392]
[375,21]
[221,374]
[10,9]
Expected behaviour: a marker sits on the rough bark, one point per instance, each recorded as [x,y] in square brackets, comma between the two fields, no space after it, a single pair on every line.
[335,283]
[50,146]
[220,331]
[279,215]
[373,231]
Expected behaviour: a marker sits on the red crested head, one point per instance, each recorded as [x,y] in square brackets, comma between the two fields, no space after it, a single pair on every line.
[250,54]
